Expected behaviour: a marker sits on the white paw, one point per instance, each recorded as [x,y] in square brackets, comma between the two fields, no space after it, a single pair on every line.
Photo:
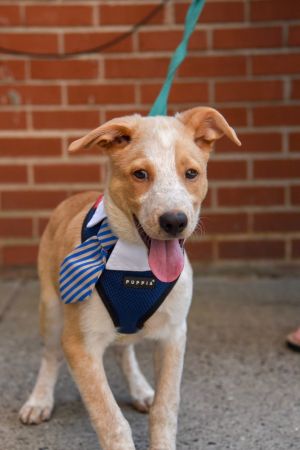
[34,412]
[143,403]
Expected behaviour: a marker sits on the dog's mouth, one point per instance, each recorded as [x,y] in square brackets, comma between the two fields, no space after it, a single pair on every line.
[165,257]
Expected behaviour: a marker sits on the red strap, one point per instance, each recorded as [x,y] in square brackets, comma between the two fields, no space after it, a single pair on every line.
[99,199]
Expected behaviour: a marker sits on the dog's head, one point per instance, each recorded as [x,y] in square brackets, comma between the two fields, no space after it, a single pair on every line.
[158,174]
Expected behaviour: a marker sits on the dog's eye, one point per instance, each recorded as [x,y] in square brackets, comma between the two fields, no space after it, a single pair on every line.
[190,174]
[141,174]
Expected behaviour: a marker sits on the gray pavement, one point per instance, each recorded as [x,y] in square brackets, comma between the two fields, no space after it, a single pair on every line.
[241,386]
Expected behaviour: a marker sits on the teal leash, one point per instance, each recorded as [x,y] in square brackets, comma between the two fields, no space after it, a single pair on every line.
[159,107]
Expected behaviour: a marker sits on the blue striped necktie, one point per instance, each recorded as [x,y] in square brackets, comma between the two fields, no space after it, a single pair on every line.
[82,268]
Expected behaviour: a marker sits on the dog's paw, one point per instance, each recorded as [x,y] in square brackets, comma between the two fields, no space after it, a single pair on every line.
[143,404]
[35,412]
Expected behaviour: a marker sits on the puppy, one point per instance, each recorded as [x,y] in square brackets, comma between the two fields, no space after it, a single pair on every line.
[156,184]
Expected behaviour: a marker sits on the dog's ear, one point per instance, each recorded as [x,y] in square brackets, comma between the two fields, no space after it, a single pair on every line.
[115,134]
[207,125]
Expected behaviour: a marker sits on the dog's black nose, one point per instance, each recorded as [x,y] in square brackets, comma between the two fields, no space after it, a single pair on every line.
[173,222]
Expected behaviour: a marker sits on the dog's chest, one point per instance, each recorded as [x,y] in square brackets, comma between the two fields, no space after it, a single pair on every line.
[127,287]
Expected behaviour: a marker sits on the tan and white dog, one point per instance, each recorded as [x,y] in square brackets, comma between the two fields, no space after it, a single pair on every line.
[158,176]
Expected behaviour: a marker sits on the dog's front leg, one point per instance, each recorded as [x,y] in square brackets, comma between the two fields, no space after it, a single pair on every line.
[163,414]
[88,372]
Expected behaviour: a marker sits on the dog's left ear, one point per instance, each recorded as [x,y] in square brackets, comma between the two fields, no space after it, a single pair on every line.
[115,134]
[207,125]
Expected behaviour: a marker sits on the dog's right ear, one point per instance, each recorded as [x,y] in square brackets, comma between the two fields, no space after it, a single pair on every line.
[115,134]
[207,126]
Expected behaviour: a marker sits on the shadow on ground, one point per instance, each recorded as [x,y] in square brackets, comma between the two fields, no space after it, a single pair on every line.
[241,386]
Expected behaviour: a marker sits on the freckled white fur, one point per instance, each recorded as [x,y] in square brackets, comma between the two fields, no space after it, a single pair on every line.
[168,192]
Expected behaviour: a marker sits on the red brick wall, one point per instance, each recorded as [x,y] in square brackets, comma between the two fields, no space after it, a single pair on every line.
[244,60]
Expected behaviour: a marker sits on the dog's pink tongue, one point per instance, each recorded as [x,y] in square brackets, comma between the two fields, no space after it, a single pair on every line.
[166,259]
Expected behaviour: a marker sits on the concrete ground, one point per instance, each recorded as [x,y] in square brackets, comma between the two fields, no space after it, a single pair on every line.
[241,386]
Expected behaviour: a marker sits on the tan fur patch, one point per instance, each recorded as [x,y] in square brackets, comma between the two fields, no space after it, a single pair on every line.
[125,190]
[189,157]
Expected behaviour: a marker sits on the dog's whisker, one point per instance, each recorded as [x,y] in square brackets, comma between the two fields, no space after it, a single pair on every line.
[200,227]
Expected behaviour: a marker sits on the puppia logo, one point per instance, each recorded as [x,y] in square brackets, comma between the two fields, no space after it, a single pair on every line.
[139,282]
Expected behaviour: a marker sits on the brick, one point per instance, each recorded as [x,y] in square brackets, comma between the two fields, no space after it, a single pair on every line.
[254,249]
[13,174]
[30,95]
[167,40]
[251,196]
[198,40]
[13,227]
[276,64]
[294,35]
[18,255]
[295,92]
[276,115]
[199,251]
[58,15]
[247,37]
[101,94]
[128,14]
[267,10]
[295,195]
[51,120]
[276,222]
[229,11]
[208,200]
[136,67]
[235,116]
[9,15]
[252,142]
[248,91]
[294,142]
[296,248]
[67,173]
[277,169]
[30,42]
[225,223]
[28,147]
[213,66]
[12,120]
[180,92]
[75,42]
[12,70]
[70,69]
[227,170]
[113,113]
[42,223]
[31,200]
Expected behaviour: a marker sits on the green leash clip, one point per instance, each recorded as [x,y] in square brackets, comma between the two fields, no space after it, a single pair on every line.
[160,105]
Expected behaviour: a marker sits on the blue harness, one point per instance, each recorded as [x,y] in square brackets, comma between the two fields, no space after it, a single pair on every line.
[130,297]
